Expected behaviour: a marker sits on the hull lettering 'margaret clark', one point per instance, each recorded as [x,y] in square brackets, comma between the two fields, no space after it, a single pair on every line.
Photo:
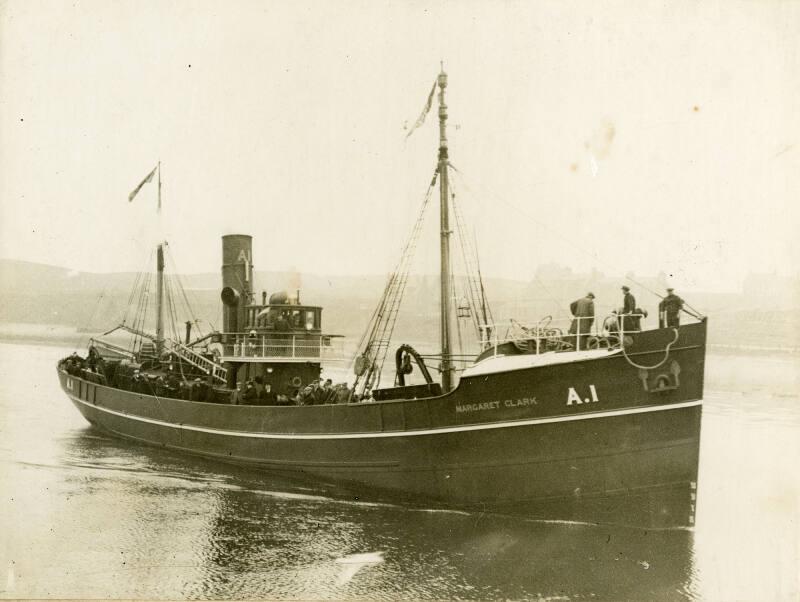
[589,423]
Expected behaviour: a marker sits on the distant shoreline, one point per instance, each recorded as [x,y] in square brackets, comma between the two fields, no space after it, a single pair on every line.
[50,341]
[722,348]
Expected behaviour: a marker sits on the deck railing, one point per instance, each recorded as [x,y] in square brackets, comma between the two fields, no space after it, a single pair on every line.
[577,333]
[287,347]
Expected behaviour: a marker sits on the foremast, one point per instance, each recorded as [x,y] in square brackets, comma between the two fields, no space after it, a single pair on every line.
[444,217]
[160,299]
[159,282]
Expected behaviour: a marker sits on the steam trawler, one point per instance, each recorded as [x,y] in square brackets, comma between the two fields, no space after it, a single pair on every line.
[593,425]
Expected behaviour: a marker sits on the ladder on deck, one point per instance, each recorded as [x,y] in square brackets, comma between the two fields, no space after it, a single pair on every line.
[198,361]
[190,356]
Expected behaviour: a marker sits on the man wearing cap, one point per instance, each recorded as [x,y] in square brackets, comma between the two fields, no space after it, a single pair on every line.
[583,310]
[628,308]
[669,310]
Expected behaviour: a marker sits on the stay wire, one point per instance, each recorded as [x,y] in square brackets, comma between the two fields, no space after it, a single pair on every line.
[385,314]
[137,281]
[471,278]
[81,341]
[560,235]
[405,262]
[182,289]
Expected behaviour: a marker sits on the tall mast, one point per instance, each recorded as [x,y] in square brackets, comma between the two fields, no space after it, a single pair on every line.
[447,366]
[160,299]
[159,282]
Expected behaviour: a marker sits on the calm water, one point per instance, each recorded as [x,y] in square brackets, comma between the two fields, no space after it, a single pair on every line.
[88,516]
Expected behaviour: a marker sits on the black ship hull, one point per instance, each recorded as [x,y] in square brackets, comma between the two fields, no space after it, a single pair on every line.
[594,436]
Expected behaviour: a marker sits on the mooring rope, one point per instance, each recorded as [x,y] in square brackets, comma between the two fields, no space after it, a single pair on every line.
[659,364]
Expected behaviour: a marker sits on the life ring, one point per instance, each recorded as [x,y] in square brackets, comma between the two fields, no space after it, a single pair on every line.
[296,382]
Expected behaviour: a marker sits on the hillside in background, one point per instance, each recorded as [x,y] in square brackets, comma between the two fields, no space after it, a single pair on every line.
[764,313]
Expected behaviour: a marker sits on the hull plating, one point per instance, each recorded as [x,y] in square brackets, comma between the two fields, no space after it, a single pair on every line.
[573,440]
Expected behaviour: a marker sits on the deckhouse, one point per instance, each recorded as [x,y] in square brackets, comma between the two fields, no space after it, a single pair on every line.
[279,339]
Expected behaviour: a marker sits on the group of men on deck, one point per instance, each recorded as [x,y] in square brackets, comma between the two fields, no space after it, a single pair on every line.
[628,318]
[256,392]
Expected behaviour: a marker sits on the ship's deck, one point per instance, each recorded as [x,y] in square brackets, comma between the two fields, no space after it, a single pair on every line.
[505,363]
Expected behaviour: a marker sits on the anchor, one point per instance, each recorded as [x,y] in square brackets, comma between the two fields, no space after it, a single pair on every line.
[663,381]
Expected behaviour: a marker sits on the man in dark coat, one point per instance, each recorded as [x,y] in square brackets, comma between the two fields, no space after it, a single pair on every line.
[258,383]
[669,310]
[583,310]
[250,396]
[629,322]
[282,324]
[268,397]
[326,391]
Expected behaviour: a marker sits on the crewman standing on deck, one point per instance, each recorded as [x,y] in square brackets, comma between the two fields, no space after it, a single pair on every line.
[250,395]
[628,308]
[327,391]
[583,310]
[669,310]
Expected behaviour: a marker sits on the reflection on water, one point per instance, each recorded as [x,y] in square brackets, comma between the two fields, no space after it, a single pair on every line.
[91,516]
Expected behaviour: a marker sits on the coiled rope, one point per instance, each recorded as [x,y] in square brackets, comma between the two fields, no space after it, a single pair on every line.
[659,364]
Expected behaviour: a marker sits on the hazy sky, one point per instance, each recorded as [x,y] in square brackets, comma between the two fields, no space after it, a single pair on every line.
[627,136]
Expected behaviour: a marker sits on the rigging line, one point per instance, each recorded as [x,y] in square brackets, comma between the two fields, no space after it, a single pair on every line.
[182,290]
[79,344]
[559,234]
[143,299]
[176,310]
[144,293]
[386,312]
[173,317]
[140,288]
[382,327]
[168,304]
[396,299]
[458,322]
[472,287]
[485,306]
[475,279]
[138,308]
[136,283]
[174,302]
[135,286]
[136,315]
[372,330]
[175,284]
[396,280]
[364,334]
[146,303]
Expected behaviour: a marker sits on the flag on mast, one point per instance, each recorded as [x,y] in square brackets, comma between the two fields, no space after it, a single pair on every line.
[136,190]
[426,109]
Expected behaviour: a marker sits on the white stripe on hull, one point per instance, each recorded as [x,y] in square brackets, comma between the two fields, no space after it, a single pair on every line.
[414,433]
